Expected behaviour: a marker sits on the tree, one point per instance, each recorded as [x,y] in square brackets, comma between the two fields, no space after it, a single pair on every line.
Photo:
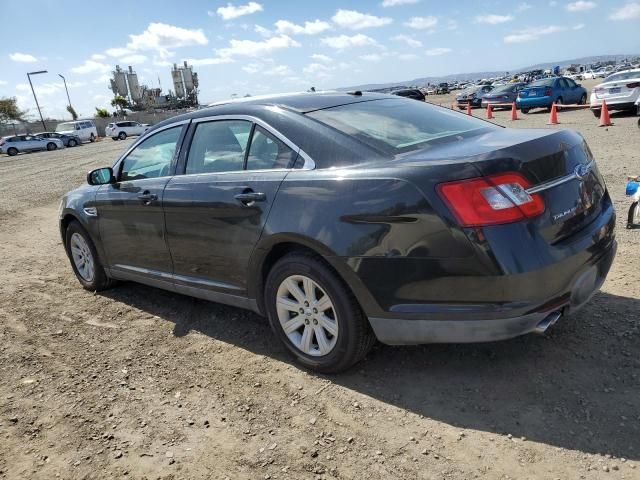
[102,113]
[119,102]
[72,111]
[9,111]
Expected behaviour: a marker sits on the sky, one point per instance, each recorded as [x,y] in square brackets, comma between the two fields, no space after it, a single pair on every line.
[270,46]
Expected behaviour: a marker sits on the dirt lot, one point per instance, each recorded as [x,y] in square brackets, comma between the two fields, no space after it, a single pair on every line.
[142,383]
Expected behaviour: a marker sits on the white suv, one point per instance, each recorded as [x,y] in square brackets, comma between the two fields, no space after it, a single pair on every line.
[84,129]
[122,130]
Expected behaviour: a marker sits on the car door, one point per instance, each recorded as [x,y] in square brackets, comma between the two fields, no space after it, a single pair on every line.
[130,215]
[31,143]
[215,212]
[576,92]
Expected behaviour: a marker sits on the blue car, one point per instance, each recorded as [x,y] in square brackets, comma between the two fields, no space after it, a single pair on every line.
[542,93]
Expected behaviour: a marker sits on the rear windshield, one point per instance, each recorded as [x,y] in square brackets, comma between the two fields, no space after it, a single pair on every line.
[616,77]
[544,82]
[396,125]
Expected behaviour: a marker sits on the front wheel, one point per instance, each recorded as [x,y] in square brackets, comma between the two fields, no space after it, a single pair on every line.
[72,143]
[84,259]
[633,219]
[51,146]
[313,312]
[583,99]
[524,110]
[122,135]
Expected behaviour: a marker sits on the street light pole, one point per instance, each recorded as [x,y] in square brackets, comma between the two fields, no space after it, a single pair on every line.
[34,94]
[66,89]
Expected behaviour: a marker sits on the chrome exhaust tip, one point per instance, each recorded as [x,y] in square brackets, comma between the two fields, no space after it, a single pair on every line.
[547,322]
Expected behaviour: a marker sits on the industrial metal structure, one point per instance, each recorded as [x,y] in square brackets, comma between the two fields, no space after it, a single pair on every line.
[185,83]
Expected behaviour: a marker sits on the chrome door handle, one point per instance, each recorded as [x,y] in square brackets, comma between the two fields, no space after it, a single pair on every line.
[250,197]
[147,197]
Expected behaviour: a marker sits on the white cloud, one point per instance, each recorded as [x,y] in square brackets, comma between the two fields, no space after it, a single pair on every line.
[317,69]
[523,6]
[250,48]
[434,52]
[198,62]
[396,3]
[371,57]
[422,23]
[408,56]
[98,56]
[321,58]
[3,82]
[629,11]
[231,11]
[493,19]
[252,68]
[43,89]
[265,32]
[531,34]
[22,57]
[580,6]
[160,37]
[346,41]
[134,58]
[102,79]
[116,52]
[310,28]
[91,66]
[278,70]
[357,21]
[412,42]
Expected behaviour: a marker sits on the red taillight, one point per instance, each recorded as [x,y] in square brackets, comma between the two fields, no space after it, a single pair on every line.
[633,84]
[491,200]
[548,92]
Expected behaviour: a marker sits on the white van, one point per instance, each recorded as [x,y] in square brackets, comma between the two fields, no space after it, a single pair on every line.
[85,129]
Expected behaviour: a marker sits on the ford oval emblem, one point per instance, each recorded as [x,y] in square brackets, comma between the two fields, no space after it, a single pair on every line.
[581,171]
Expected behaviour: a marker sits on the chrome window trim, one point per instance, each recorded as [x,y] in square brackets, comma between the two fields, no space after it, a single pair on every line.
[558,181]
[309,164]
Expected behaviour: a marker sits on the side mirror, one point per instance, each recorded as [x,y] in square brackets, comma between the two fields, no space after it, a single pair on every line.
[101,176]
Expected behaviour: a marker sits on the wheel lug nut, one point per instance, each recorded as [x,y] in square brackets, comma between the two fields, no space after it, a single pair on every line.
[302,310]
[306,304]
[315,310]
[306,322]
[315,322]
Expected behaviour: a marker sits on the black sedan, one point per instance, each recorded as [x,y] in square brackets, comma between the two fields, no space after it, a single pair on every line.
[502,95]
[346,218]
[472,96]
[68,140]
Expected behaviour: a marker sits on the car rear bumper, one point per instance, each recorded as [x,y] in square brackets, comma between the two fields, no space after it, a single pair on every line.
[596,104]
[466,324]
[535,102]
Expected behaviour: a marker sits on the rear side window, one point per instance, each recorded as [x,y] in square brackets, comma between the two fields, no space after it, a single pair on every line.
[218,146]
[396,126]
[152,157]
[267,152]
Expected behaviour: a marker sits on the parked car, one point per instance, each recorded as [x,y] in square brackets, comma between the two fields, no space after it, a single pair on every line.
[472,95]
[28,143]
[67,140]
[502,95]
[84,129]
[620,90]
[122,130]
[442,88]
[349,217]
[431,90]
[543,93]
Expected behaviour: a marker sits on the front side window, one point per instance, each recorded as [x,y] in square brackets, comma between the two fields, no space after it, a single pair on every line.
[218,146]
[152,157]
[397,126]
[267,152]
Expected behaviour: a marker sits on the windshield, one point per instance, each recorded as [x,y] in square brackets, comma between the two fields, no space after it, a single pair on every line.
[65,127]
[622,76]
[397,126]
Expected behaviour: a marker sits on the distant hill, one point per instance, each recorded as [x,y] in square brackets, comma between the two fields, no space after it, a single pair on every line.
[478,75]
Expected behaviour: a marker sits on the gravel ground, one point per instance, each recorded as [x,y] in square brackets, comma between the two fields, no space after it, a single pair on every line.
[143,383]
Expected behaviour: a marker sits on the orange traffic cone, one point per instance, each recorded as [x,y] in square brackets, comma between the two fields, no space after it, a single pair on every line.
[469,108]
[553,116]
[514,112]
[489,112]
[605,121]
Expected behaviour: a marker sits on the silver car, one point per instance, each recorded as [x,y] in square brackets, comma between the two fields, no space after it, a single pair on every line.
[28,143]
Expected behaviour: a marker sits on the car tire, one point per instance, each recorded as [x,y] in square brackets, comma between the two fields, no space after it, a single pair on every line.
[596,113]
[524,110]
[81,252]
[583,99]
[114,138]
[122,135]
[51,146]
[633,218]
[313,278]
[92,138]
[12,152]
[73,143]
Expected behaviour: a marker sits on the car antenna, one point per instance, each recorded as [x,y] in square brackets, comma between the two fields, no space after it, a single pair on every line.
[357,93]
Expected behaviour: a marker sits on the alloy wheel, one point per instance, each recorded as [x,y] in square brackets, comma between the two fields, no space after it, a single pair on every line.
[82,257]
[307,315]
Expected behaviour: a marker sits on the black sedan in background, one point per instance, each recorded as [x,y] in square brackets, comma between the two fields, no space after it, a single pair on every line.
[413,93]
[346,218]
[67,140]
[472,96]
[502,94]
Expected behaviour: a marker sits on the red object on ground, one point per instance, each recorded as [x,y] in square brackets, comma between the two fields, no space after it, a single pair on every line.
[489,112]
[605,121]
[514,112]
[553,116]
